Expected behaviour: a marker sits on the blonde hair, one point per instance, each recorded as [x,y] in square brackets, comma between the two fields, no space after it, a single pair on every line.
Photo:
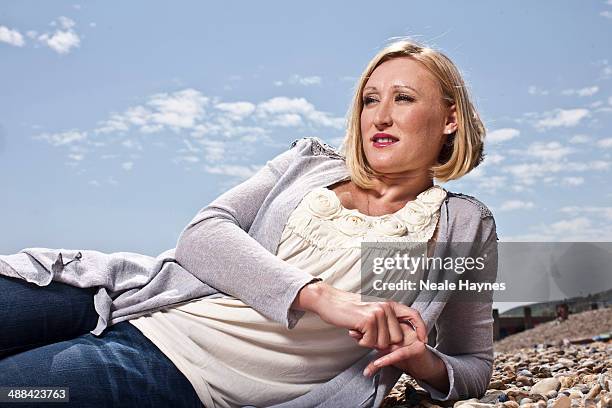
[463,149]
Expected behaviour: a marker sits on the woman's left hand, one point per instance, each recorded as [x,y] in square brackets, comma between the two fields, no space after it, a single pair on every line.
[411,356]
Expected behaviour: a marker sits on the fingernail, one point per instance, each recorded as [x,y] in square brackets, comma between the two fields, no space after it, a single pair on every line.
[366,372]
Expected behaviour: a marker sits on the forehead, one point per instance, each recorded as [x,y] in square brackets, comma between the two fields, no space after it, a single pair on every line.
[401,71]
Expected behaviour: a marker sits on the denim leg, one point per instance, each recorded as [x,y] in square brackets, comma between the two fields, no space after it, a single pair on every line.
[122,368]
[32,315]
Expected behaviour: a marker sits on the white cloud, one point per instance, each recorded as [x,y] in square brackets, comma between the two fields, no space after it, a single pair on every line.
[494,158]
[65,22]
[605,212]
[606,14]
[573,181]
[306,81]
[213,150]
[577,229]
[529,173]
[243,172]
[76,156]
[534,90]
[605,143]
[501,135]
[187,159]
[589,91]
[62,40]
[12,37]
[579,139]
[178,110]
[562,118]
[512,205]
[570,226]
[287,120]
[282,110]
[210,130]
[63,138]
[127,165]
[548,151]
[237,110]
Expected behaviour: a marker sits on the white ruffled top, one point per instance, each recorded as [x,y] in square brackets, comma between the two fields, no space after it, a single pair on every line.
[231,353]
[323,221]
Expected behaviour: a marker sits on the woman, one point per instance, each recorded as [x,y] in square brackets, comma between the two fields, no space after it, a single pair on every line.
[278,336]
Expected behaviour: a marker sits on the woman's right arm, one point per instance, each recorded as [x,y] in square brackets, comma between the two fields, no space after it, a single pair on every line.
[216,248]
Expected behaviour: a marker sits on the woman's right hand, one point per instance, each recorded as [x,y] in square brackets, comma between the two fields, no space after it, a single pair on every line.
[377,322]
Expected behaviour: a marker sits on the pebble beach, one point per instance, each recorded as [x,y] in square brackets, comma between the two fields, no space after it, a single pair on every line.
[554,365]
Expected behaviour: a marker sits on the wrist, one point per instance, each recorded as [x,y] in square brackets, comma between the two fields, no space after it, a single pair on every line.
[425,368]
[436,375]
[309,295]
[434,365]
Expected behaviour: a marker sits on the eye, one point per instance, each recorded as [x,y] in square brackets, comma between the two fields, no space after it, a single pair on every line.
[404,97]
[368,100]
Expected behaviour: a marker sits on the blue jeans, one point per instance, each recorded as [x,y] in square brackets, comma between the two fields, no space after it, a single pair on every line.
[45,341]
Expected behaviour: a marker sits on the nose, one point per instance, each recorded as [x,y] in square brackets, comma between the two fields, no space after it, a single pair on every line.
[382,118]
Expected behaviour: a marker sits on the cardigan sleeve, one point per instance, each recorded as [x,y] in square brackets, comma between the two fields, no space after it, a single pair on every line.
[464,339]
[216,247]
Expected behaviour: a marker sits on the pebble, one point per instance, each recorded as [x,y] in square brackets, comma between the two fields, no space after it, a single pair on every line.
[524,380]
[562,402]
[594,392]
[493,397]
[546,385]
[469,401]
[548,375]
[497,385]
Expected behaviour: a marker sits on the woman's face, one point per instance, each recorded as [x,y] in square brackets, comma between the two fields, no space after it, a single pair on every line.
[403,101]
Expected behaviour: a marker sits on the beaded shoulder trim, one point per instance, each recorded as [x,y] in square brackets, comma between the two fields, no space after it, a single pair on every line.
[320,148]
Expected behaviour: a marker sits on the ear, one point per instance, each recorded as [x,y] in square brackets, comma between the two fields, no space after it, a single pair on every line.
[451,120]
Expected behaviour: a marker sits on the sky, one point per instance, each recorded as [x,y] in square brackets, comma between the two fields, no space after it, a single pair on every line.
[119,121]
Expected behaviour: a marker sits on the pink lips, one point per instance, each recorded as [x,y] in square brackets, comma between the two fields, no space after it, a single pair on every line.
[378,144]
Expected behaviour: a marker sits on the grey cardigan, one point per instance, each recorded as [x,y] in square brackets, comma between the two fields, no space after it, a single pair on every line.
[229,247]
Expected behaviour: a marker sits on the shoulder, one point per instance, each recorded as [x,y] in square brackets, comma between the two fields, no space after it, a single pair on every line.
[313,146]
[463,203]
[469,218]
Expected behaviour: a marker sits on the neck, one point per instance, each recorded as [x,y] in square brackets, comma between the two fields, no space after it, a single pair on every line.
[399,188]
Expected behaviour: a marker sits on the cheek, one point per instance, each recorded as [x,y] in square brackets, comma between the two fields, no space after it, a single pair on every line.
[365,121]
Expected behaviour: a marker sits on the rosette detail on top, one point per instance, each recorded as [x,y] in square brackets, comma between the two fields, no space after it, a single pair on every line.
[321,218]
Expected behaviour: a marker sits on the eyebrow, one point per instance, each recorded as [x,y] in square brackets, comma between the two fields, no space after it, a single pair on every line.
[394,87]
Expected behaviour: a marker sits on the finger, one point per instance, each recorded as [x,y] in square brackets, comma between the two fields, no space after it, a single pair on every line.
[370,334]
[355,334]
[407,313]
[411,328]
[396,334]
[383,329]
[371,369]
[396,356]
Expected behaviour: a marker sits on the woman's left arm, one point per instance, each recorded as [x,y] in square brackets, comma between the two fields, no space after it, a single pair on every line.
[461,364]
